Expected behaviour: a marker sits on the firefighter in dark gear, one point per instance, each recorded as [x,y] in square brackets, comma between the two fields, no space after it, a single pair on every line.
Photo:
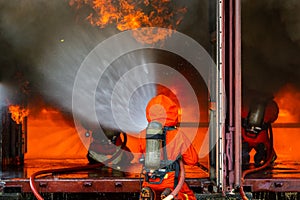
[257,132]
[157,184]
[105,146]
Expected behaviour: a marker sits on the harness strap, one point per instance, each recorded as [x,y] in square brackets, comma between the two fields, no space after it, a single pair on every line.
[177,169]
[165,156]
[166,128]
[156,136]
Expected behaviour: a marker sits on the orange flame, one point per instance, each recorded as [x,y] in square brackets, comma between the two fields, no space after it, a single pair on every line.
[18,113]
[52,135]
[286,137]
[288,100]
[134,14]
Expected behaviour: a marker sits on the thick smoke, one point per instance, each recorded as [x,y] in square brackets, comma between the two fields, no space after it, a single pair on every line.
[270,45]
[43,42]
[290,16]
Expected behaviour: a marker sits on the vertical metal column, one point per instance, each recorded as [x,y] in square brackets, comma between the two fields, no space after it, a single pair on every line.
[212,98]
[238,93]
[230,38]
[220,98]
[230,82]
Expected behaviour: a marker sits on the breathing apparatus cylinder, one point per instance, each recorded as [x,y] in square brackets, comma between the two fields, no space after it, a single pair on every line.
[256,115]
[154,134]
[255,118]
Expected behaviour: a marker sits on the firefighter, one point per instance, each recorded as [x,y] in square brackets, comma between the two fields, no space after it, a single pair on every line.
[105,146]
[257,132]
[162,110]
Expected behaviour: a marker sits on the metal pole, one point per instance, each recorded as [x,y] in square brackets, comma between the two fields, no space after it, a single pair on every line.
[238,93]
[220,98]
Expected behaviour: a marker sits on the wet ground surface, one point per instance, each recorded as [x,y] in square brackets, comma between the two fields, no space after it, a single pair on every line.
[278,179]
[131,171]
[280,169]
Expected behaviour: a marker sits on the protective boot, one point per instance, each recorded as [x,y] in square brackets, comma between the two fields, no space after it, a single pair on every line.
[147,194]
[165,193]
[260,155]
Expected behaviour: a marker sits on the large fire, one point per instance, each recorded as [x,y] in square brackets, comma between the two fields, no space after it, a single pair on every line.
[134,14]
[52,135]
[18,113]
[286,127]
[288,99]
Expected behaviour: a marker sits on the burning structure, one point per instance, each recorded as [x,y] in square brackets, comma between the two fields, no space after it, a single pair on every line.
[100,62]
[14,135]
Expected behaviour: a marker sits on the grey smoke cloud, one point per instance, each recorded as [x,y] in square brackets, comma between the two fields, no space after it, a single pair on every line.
[46,42]
[270,44]
[290,16]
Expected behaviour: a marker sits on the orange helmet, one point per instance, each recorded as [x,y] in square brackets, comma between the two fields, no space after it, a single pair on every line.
[162,109]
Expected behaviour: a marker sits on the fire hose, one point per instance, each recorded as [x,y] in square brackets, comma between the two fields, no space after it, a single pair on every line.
[249,171]
[180,183]
[72,169]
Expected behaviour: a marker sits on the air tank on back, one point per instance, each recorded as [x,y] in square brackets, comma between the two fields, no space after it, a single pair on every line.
[154,134]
